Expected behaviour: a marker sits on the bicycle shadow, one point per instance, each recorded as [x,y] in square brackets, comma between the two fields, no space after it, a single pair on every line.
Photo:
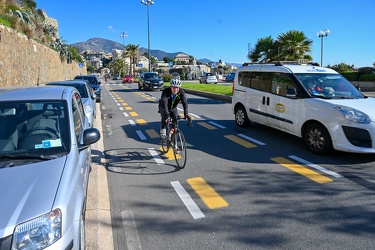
[139,161]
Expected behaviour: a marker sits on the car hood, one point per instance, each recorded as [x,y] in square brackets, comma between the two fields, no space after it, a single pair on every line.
[28,191]
[365,105]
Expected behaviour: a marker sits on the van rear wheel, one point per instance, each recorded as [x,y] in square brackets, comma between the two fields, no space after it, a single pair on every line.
[241,117]
[317,139]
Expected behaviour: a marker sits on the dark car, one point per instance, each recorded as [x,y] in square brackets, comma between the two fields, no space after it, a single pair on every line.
[150,81]
[94,82]
[230,77]
[116,77]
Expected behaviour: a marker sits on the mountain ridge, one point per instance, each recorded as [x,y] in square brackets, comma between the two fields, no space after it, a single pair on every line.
[106,46]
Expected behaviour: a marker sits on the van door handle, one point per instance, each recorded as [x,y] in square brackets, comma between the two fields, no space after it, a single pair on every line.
[264,100]
[268,101]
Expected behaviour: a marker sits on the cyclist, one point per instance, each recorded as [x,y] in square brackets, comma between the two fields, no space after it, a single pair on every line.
[168,102]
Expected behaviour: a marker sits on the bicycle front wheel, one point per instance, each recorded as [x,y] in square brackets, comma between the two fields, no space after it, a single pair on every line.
[179,149]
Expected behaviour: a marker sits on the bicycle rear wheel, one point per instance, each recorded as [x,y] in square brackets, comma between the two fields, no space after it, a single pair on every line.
[179,148]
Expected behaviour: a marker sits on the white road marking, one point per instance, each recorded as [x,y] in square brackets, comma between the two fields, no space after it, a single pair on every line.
[131,233]
[132,122]
[312,165]
[251,139]
[187,200]
[141,135]
[156,156]
[216,125]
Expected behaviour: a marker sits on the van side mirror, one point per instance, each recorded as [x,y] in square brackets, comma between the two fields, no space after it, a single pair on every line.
[291,92]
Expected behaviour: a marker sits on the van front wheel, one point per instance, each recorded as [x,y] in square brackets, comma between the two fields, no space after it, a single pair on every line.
[241,117]
[317,139]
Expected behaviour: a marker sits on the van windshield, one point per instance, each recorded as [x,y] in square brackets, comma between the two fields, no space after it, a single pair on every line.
[328,85]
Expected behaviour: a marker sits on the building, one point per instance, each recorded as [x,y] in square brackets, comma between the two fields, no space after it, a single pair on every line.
[182,58]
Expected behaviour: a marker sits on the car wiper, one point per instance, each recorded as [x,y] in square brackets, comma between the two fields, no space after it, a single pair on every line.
[29,156]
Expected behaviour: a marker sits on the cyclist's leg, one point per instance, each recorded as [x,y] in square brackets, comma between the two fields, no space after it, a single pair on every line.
[174,114]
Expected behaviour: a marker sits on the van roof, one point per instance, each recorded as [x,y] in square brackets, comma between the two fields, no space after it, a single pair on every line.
[287,68]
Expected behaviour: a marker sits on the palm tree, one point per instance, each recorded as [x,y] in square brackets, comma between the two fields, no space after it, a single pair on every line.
[293,45]
[264,50]
[132,52]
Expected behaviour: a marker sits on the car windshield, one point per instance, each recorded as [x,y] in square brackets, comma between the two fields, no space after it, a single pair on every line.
[210,74]
[151,75]
[128,76]
[328,86]
[33,128]
[80,87]
[92,79]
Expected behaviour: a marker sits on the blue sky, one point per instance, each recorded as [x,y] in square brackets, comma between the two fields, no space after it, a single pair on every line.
[222,29]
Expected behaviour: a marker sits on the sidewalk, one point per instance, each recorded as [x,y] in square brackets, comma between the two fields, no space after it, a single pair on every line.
[98,212]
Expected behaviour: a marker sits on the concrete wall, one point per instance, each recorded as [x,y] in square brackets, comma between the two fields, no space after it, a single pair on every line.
[25,62]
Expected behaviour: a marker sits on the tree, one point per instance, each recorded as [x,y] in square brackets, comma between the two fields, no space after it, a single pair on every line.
[289,46]
[342,67]
[117,65]
[132,52]
[293,45]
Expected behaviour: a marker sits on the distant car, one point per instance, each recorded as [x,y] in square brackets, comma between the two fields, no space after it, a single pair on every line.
[230,77]
[128,79]
[94,82]
[45,161]
[176,75]
[87,95]
[116,77]
[208,78]
[150,81]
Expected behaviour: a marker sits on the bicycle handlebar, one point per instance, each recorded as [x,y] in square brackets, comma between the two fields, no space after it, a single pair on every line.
[188,118]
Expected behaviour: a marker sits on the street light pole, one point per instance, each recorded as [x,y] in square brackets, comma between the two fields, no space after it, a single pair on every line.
[147,3]
[322,34]
[124,35]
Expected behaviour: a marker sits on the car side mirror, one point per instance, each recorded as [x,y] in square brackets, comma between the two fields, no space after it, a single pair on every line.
[291,92]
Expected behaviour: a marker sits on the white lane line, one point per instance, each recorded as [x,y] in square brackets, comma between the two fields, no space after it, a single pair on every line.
[141,135]
[156,156]
[126,114]
[132,122]
[312,165]
[121,108]
[216,125]
[251,139]
[187,200]
[131,232]
[194,115]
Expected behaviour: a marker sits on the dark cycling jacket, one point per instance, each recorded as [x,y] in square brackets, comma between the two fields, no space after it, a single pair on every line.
[166,104]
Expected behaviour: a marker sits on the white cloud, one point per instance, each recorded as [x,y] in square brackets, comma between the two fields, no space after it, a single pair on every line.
[111,28]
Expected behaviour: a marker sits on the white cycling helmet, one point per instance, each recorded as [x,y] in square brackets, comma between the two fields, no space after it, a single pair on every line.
[176,83]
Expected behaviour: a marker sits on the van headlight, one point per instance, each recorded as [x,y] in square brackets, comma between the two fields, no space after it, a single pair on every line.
[353,114]
[39,232]
[87,109]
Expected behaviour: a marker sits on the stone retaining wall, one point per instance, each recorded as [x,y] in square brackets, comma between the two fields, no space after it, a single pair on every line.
[24,62]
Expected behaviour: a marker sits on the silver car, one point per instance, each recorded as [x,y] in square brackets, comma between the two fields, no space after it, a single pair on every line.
[87,95]
[45,160]
[208,78]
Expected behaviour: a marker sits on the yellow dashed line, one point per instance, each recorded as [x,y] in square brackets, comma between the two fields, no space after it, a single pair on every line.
[240,141]
[122,101]
[129,108]
[312,175]
[125,104]
[133,113]
[207,126]
[209,196]
[152,133]
[141,121]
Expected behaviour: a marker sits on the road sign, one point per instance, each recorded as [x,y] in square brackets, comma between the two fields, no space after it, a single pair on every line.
[140,65]
[213,65]
[80,65]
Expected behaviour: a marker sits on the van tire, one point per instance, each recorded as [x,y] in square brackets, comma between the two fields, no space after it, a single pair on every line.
[241,117]
[317,139]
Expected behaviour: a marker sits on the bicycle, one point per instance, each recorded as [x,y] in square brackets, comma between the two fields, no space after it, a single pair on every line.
[175,139]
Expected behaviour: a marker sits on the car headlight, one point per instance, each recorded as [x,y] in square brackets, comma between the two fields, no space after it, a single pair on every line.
[38,233]
[147,81]
[354,115]
[87,109]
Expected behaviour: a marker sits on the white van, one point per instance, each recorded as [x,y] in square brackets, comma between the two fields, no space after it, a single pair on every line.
[308,101]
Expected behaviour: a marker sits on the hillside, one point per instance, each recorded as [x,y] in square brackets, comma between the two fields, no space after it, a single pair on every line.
[106,46]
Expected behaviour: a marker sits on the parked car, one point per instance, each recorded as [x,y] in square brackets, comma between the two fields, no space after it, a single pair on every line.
[87,95]
[334,115]
[150,81]
[94,82]
[176,75]
[45,160]
[115,77]
[230,77]
[128,79]
[208,78]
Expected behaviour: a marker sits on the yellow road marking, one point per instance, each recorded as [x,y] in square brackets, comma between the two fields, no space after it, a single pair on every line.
[141,121]
[128,108]
[209,196]
[240,141]
[122,101]
[152,133]
[125,104]
[207,126]
[133,113]
[169,154]
[312,175]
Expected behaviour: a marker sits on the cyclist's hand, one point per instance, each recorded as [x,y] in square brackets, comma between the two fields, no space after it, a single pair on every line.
[188,118]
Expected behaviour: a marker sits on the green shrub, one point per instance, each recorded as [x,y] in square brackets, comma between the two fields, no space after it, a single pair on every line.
[350,76]
[167,77]
[367,78]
